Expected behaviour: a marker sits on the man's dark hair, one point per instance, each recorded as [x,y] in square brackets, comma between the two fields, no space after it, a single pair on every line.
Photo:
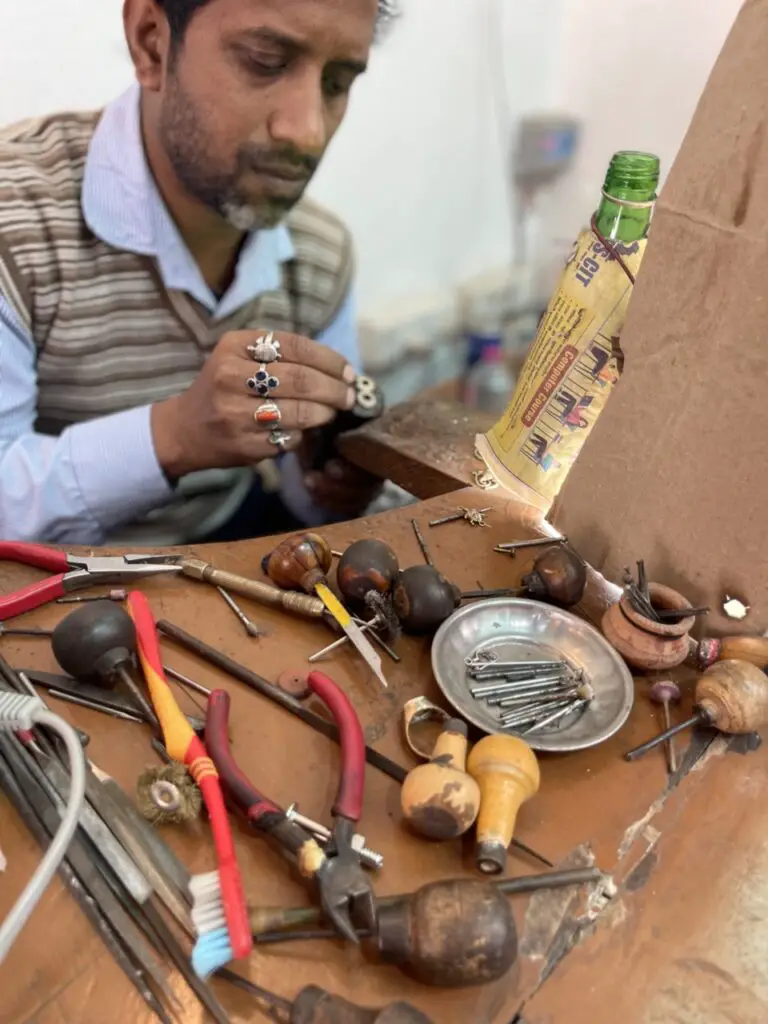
[179,13]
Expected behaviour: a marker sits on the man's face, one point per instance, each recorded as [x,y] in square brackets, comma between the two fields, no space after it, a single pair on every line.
[253,96]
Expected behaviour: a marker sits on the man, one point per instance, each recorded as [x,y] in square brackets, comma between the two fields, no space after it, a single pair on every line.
[145,255]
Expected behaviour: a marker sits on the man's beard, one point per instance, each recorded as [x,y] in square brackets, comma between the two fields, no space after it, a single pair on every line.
[190,151]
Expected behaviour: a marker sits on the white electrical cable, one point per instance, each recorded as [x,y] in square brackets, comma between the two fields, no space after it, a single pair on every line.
[21,713]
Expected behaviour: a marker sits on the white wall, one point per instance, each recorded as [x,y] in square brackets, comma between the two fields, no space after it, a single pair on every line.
[419,170]
[634,72]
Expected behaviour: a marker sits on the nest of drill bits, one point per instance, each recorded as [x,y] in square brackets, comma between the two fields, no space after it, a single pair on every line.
[529,697]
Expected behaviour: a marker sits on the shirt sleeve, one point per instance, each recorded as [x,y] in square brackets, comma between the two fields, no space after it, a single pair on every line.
[75,488]
[340,335]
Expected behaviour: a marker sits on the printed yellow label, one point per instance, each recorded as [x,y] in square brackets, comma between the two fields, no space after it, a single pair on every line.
[568,375]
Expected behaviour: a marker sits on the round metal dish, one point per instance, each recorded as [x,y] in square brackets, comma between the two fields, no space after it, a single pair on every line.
[519,630]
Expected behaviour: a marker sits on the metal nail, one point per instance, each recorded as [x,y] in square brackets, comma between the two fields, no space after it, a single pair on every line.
[422,542]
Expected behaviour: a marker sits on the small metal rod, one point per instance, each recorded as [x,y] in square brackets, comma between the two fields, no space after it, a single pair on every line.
[113,595]
[133,688]
[336,644]
[482,688]
[533,713]
[250,627]
[477,595]
[186,681]
[374,636]
[520,545]
[557,715]
[422,542]
[92,705]
[673,614]
[337,554]
[700,718]
[542,699]
[481,666]
[371,627]
[5,631]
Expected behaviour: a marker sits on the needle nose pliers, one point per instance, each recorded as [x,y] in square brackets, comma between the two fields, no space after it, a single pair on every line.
[344,887]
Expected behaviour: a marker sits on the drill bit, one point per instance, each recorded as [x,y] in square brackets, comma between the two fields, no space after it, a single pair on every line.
[250,627]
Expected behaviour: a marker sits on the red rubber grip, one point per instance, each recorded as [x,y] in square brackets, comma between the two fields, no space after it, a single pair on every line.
[239,787]
[33,596]
[35,554]
[349,799]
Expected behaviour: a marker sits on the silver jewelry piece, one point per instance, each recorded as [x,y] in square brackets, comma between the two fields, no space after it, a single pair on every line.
[265,350]
[263,382]
[280,439]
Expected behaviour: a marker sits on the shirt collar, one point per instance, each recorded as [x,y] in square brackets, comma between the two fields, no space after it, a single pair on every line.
[123,207]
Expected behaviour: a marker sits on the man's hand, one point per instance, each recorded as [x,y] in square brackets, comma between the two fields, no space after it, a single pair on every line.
[212,425]
[341,488]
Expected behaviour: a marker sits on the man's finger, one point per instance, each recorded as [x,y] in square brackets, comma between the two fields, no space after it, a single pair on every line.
[296,349]
[310,385]
[291,414]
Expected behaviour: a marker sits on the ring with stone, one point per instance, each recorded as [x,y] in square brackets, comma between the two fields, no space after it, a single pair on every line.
[280,439]
[265,349]
[262,382]
[268,415]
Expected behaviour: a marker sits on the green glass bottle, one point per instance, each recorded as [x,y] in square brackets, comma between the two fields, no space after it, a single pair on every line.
[632,178]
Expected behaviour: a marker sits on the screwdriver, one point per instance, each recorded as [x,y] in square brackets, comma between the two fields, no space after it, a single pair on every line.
[302,563]
[314,1005]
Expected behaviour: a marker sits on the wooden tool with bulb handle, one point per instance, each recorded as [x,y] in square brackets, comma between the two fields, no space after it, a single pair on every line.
[440,800]
[303,563]
[704,653]
[507,772]
[731,696]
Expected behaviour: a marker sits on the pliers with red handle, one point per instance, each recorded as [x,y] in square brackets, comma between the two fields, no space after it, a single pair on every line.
[72,572]
[343,884]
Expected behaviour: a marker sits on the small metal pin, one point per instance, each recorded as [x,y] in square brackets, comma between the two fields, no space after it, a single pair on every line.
[337,554]
[474,516]
[370,627]
[186,681]
[521,545]
[422,542]
[250,627]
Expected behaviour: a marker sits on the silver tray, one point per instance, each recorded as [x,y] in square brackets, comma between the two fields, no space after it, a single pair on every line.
[518,630]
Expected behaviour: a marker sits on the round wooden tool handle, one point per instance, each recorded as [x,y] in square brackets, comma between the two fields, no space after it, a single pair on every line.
[300,563]
[735,696]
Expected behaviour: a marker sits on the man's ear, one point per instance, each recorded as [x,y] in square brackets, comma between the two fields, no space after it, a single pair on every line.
[149,41]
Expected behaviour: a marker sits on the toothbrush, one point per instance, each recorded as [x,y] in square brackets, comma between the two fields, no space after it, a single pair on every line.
[219,911]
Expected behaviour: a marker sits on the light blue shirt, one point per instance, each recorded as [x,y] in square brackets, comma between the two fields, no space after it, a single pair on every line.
[97,475]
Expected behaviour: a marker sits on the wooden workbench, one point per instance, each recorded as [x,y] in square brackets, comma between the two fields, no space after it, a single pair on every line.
[682,941]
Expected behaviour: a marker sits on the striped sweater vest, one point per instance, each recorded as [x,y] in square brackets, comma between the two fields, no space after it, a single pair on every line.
[109,335]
